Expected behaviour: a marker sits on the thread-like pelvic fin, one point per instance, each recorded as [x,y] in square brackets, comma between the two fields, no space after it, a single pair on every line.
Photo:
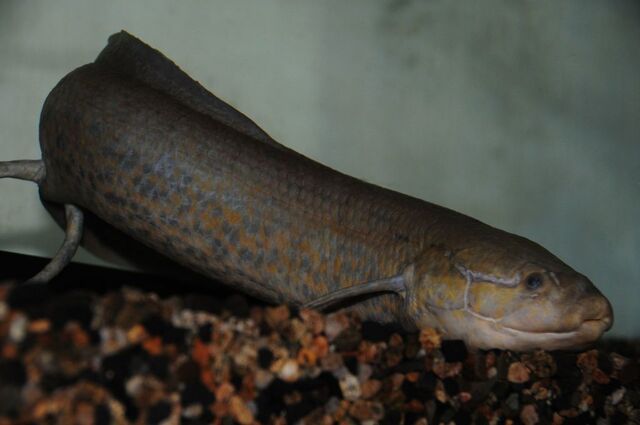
[73,235]
[34,171]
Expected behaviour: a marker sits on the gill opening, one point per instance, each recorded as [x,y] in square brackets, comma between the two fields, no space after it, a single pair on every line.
[34,171]
[473,276]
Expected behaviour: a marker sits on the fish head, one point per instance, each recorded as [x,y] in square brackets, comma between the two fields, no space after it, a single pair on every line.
[514,295]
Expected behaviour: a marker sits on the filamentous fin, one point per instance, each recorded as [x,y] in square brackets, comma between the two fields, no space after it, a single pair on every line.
[392,284]
[72,238]
[34,171]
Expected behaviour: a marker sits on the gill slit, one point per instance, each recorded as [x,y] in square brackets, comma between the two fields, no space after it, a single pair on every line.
[471,277]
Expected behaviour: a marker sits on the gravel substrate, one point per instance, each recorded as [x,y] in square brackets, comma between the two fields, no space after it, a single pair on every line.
[131,356]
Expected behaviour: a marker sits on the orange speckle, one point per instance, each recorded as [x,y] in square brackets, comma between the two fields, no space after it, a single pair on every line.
[9,351]
[200,353]
[153,346]
[307,356]
[208,379]
[232,217]
[337,265]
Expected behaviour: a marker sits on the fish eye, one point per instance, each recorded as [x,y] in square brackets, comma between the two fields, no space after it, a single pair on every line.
[534,281]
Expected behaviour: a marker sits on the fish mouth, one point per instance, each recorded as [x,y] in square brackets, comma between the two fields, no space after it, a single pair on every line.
[587,332]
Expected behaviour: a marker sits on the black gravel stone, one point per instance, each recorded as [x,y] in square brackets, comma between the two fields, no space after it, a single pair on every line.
[236,380]
[264,327]
[352,364]
[207,417]
[567,367]
[427,382]
[102,415]
[176,336]
[265,358]
[454,350]
[237,305]
[315,391]
[297,411]
[501,389]
[451,386]
[196,393]
[12,372]
[604,363]
[409,366]
[155,325]
[377,332]
[159,412]
[392,417]
[159,366]
[31,299]
[347,340]
[188,372]
[584,418]
[412,417]
[442,414]
[420,390]
[204,333]
[203,302]
[71,306]
[619,418]
[54,380]
[120,366]
[462,417]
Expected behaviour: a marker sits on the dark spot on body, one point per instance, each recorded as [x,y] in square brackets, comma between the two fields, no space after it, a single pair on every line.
[129,163]
[197,227]
[305,264]
[245,255]
[145,188]
[95,129]
[114,199]
[233,237]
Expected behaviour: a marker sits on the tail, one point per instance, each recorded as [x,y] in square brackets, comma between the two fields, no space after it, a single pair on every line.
[33,170]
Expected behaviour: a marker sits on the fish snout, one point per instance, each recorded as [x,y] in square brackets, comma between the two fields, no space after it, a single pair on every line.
[597,308]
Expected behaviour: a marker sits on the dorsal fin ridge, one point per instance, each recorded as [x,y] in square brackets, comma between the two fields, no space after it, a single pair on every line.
[130,56]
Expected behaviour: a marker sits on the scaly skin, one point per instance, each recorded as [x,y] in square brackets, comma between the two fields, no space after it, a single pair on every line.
[154,155]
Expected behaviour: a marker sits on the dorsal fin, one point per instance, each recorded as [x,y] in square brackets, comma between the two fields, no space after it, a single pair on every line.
[130,56]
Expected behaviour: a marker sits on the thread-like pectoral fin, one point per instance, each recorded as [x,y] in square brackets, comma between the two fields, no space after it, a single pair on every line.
[34,171]
[392,284]
[73,235]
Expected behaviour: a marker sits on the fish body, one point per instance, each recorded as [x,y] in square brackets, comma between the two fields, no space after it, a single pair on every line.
[147,150]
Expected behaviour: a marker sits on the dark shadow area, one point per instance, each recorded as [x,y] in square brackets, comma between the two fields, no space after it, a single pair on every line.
[100,280]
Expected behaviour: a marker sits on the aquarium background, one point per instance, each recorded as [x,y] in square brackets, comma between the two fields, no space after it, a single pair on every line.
[525,115]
